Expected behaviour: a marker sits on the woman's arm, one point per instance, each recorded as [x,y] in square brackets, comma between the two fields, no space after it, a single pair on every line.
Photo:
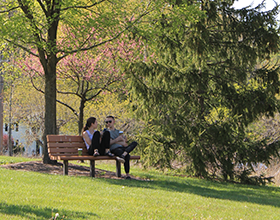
[86,138]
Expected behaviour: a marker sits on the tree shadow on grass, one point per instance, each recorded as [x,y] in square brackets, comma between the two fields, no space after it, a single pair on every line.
[36,212]
[262,195]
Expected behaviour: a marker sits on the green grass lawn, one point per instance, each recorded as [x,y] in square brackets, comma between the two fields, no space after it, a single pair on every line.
[30,195]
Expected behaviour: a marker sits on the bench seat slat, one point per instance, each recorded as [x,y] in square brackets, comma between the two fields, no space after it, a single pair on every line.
[64,150]
[88,157]
[66,154]
[70,145]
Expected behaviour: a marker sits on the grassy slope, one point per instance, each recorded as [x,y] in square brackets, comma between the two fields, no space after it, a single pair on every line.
[29,195]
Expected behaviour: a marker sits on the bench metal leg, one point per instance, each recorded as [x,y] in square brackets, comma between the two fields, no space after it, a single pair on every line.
[92,168]
[65,167]
[118,166]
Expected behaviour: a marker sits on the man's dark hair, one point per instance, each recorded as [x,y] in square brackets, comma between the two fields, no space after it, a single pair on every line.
[110,116]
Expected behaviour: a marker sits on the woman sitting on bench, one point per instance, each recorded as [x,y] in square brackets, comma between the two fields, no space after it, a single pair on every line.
[98,143]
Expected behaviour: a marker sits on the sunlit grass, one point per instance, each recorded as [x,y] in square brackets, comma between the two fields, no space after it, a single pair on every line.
[7,160]
[30,195]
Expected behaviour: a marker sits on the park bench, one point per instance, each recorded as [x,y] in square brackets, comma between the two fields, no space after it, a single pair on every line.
[65,148]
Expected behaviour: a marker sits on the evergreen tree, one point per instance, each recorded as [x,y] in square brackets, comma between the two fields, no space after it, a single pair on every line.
[202,88]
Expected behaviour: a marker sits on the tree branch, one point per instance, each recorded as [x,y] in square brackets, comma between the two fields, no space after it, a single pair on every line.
[62,103]
[35,87]
[9,10]
[103,42]
[22,47]
[83,7]
[101,89]
[68,106]
[37,37]
[43,7]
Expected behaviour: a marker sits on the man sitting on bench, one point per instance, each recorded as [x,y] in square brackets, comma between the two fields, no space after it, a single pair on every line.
[119,146]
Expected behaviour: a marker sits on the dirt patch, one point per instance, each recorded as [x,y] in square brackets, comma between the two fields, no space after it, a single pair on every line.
[78,170]
[56,169]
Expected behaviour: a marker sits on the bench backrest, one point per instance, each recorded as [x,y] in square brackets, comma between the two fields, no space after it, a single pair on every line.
[65,145]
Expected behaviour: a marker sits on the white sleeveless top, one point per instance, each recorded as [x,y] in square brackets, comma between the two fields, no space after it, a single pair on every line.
[90,137]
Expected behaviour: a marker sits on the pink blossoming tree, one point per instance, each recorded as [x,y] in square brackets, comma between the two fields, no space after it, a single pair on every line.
[88,73]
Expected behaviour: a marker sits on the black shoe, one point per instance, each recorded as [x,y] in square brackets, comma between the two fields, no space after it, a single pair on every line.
[109,154]
[128,178]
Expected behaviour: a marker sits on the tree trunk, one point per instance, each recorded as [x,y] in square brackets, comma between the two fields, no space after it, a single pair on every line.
[10,123]
[81,116]
[1,113]
[50,104]
[50,60]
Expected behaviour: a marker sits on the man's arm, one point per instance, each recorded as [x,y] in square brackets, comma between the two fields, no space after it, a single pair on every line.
[116,140]
[123,143]
[119,140]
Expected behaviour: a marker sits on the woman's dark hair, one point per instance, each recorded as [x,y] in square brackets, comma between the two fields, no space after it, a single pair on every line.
[88,124]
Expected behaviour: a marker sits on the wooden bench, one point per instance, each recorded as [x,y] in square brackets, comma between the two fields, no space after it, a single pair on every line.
[65,148]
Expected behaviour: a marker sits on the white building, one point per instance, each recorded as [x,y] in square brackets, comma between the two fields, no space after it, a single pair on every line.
[21,137]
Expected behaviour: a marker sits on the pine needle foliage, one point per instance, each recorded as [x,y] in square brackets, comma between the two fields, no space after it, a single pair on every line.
[202,87]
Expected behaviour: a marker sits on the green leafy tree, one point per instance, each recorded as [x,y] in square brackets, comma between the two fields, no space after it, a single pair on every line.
[202,87]
[34,25]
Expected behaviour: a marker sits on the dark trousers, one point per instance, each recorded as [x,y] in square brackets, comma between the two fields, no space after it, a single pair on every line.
[119,151]
[99,145]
